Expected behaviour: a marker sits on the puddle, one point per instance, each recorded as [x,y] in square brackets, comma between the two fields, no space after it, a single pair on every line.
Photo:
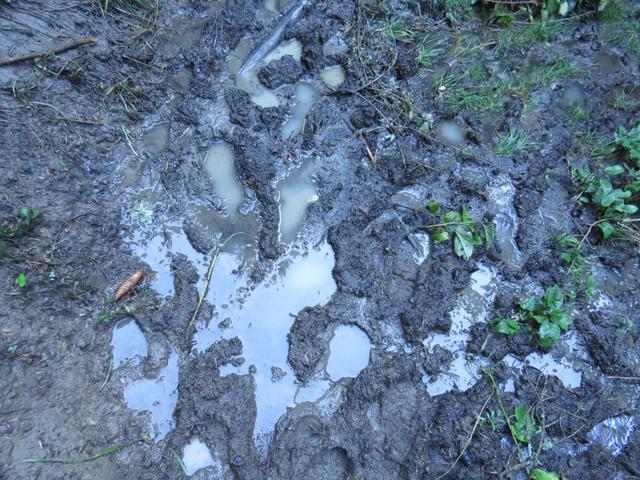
[473,307]
[562,362]
[450,133]
[155,252]
[613,434]
[333,76]
[607,63]
[305,97]
[263,320]
[420,243]
[219,165]
[501,195]
[128,344]
[296,192]
[196,456]
[157,396]
[272,5]
[348,352]
[248,80]
[155,139]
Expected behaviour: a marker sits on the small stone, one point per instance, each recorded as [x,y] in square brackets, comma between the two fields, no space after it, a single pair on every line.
[253,369]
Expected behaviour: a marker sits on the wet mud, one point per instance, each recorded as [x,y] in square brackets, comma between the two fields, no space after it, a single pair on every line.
[335,338]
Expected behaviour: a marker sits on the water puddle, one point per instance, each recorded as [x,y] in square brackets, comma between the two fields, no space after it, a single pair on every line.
[155,139]
[349,351]
[305,97]
[420,243]
[501,195]
[473,307]
[562,362]
[333,76]
[613,434]
[128,344]
[197,456]
[296,192]
[219,165]
[248,80]
[262,321]
[272,5]
[155,251]
[450,133]
[157,396]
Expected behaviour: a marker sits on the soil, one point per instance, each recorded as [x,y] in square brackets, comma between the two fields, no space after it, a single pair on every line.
[107,141]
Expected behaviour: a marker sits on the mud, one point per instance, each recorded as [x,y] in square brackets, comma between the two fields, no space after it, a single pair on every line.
[337,339]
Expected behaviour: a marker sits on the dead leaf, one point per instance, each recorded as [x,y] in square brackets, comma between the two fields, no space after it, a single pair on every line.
[131,281]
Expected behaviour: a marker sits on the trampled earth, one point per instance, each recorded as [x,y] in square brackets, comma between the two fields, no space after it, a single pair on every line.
[380,239]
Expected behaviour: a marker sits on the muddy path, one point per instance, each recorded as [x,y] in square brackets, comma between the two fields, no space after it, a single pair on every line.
[341,209]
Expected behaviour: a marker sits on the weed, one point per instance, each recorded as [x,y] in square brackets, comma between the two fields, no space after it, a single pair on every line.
[397,30]
[18,226]
[513,141]
[465,231]
[21,280]
[540,474]
[427,54]
[494,419]
[622,101]
[524,426]
[572,256]
[102,453]
[545,317]
[578,114]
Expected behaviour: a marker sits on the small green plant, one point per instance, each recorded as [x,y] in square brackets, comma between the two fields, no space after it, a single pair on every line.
[578,114]
[21,280]
[577,264]
[426,55]
[540,474]
[524,426]
[513,141]
[398,30]
[545,317]
[494,419]
[18,226]
[465,231]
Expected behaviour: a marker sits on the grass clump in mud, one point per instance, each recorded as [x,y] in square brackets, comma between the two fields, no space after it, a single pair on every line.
[18,226]
[613,190]
[544,318]
[513,141]
[462,228]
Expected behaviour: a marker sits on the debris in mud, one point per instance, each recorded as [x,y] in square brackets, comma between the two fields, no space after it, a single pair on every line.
[129,283]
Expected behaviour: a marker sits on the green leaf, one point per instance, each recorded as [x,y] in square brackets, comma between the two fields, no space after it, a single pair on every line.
[607,229]
[561,318]
[466,216]
[21,280]
[3,248]
[463,244]
[540,474]
[508,326]
[549,334]
[524,428]
[450,217]
[489,233]
[628,209]
[590,286]
[614,170]
[440,236]
[553,297]
[529,304]
[433,206]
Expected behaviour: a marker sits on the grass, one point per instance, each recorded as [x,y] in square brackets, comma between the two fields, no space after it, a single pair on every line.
[102,453]
[512,142]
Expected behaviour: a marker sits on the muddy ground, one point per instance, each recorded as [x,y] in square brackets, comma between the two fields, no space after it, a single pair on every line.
[337,340]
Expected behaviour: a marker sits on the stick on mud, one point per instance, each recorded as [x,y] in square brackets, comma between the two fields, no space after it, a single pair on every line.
[53,51]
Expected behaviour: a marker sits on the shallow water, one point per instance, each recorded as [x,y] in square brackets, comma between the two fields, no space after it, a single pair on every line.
[263,320]
[248,80]
[158,396]
[349,351]
[128,344]
[296,192]
[333,76]
[501,195]
[473,306]
[451,133]
[196,456]
[219,165]
[613,434]
[305,97]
